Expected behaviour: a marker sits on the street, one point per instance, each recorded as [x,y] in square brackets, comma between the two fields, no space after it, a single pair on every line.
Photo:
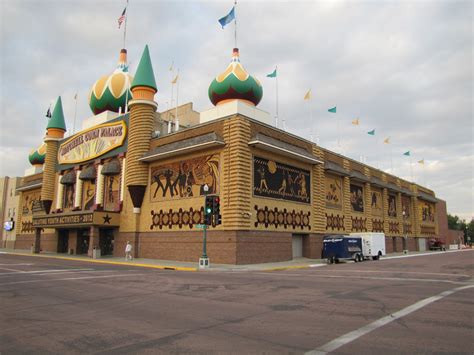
[415,305]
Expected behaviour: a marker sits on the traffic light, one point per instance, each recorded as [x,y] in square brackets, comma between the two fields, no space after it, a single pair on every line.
[216,210]
[208,207]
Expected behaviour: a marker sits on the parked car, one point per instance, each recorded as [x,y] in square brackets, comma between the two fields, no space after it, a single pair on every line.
[436,244]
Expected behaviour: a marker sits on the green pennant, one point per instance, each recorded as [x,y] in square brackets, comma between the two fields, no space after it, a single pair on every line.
[272,75]
[407,153]
[333,110]
[372,132]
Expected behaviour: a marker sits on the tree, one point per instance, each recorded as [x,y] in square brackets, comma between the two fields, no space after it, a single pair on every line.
[469,232]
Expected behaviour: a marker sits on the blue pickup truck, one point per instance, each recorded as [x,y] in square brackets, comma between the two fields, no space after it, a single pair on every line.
[340,247]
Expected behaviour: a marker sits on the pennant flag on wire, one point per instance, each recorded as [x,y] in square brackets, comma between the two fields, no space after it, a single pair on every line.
[307,96]
[122,17]
[407,153]
[422,161]
[171,66]
[333,110]
[175,80]
[372,132]
[273,74]
[386,140]
[355,122]
[75,96]
[48,113]
[227,18]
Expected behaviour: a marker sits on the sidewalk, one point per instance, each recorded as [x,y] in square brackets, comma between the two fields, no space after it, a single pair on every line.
[298,263]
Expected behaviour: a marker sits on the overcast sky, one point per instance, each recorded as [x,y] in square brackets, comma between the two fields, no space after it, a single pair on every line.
[404,68]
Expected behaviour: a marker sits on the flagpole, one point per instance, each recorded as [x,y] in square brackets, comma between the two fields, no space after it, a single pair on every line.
[75,112]
[235,25]
[125,29]
[176,125]
[276,117]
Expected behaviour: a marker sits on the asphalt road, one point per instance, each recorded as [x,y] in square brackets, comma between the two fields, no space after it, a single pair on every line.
[416,305]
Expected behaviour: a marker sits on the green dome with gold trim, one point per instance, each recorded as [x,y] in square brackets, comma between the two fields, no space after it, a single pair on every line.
[37,156]
[235,84]
[111,92]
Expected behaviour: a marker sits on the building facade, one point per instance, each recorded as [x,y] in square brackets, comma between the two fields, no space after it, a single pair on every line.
[8,210]
[140,177]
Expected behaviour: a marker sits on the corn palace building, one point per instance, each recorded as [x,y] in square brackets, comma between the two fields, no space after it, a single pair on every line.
[138,176]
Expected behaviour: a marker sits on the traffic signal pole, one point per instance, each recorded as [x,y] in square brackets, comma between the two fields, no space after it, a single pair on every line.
[204,260]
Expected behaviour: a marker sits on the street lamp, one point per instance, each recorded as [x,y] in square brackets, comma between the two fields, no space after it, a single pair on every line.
[204,260]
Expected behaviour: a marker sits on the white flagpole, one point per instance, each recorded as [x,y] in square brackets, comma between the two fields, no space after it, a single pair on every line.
[75,112]
[235,25]
[176,125]
[276,117]
[125,28]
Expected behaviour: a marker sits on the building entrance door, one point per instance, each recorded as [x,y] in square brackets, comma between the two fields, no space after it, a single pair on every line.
[82,241]
[297,245]
[106,242]
[63,240]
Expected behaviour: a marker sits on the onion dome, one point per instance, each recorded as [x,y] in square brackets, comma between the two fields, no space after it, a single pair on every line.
[111,92]
[37,156]
[235,84]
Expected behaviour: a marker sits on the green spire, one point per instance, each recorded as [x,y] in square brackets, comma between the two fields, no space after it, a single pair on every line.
[144,75]
[57,119]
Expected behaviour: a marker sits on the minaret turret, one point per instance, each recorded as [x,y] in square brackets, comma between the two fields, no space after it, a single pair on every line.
[54,133]
[142,112]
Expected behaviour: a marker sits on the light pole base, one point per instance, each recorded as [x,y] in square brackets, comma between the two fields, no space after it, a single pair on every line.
[204,263]
[405,251]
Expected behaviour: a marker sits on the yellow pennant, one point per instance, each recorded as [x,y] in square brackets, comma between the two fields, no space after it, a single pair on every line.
[387,140]
[308,95]
[422,161]
[355,122]
[175,80]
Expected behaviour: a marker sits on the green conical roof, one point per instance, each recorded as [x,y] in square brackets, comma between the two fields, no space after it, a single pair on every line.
[57,118]
[144,75]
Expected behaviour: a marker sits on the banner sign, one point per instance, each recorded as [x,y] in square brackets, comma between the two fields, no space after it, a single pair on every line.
[77,219]
[92,143]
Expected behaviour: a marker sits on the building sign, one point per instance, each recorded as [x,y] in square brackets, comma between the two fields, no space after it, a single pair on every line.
[77,219]
[281,181]
[185,178]
[92,143]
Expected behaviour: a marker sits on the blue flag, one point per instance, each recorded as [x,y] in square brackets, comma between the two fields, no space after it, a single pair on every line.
[372,132]
[228,18]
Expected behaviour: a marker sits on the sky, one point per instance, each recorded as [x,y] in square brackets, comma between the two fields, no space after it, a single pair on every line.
[403,68]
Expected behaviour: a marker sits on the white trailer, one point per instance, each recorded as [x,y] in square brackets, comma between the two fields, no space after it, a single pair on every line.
[373,244]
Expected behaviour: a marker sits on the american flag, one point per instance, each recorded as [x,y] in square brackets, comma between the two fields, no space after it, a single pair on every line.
[122,17]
